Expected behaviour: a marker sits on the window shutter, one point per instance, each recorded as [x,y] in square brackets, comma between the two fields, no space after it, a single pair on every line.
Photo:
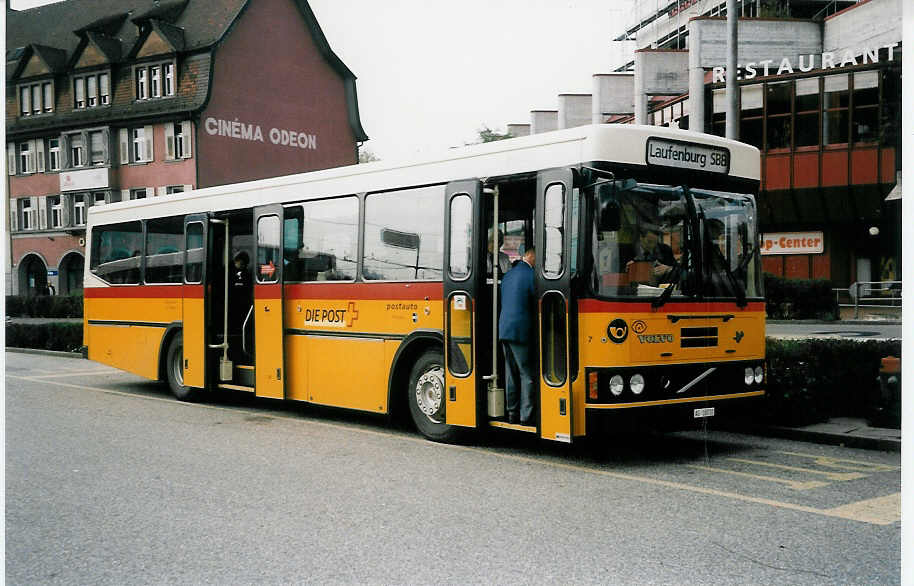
[43,213]
[14,215]
[125,195]
[65,152]
[169,141]
[33,210]
[150,150]
[39,154]
[160,191]
[65,200]
[11,158]
[188,188]
[106,144]
[124,140]
[186,135]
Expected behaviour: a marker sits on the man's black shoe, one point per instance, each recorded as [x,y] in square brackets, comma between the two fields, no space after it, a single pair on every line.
[512,417]
[529,422]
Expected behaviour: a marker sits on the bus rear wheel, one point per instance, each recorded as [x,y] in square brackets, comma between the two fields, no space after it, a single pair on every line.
[174,371]
[426,396]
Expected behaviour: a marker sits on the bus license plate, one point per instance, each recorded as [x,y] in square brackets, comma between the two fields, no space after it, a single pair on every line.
[705,412]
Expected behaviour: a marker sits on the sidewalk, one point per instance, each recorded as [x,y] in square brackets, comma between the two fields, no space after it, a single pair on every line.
[840,431]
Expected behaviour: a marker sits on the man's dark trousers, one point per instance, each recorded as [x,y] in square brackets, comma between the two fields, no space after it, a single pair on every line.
[515,329]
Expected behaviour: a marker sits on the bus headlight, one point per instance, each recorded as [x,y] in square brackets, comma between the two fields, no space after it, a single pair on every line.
[749,375]
[636,383]
[759,375]
[616,384]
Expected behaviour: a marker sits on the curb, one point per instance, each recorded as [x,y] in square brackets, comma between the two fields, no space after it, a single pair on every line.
[57,353]
[821,437]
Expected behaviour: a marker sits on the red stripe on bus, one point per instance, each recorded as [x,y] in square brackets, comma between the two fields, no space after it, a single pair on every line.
[272,291]
[144,292]
[598,306]
[365,291]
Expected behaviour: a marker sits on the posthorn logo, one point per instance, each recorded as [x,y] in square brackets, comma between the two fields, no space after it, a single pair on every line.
[617,330]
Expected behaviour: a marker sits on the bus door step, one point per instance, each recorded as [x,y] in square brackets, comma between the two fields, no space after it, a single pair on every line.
[244,375]
[232,387]
[514,426]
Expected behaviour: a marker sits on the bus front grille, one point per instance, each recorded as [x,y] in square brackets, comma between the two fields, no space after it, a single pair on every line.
[698,337]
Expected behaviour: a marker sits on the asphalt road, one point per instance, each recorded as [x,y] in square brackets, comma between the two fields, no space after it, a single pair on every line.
[110,481]
[858,330]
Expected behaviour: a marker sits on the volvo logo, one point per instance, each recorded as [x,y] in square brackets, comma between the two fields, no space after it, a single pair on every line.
[617,330]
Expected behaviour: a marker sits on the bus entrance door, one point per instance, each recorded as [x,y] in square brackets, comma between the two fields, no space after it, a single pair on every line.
[464,270]
[196,232]
[269,371]
[554,197]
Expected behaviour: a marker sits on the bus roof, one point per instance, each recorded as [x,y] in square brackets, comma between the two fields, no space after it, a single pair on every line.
[614,143]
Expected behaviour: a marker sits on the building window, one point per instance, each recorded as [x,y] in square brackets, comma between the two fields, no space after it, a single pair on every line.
[56,207]
[866,106]
[28,215]
[780,97]
[77,150]
[138,136]
[36,98]
[26,158]
[752,114]
[80,93]
[169,88]
[719,112]
[806,104]
[54,154]
[138,193]
[98,198]
[79,209]
[156,80]
[141,87]
[97,148]
[836,122]
[177,140]
[104,89]
[91,90]
[174,189]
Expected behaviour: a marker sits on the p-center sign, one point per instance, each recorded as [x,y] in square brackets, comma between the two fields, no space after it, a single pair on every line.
[793,243]
[686,155]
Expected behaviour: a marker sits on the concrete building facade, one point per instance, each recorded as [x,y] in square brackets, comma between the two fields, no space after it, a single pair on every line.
[106,105]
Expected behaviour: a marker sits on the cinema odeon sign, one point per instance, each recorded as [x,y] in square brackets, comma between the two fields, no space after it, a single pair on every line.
[804,63]
[252,132]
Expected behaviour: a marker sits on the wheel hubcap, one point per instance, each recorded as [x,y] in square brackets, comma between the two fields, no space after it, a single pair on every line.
[177,368]
[430,394]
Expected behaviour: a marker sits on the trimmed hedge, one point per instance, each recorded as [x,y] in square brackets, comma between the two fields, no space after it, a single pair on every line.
[44,306]
[66,337]
[810,381]
[800,298]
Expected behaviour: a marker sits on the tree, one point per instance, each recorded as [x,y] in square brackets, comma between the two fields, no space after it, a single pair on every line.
[486,134]
[366,156]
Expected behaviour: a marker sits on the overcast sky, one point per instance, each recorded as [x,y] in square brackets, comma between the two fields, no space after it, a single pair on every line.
[431,73]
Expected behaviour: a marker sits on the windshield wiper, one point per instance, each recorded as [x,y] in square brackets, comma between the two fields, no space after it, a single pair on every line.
[674,280]
[734,282]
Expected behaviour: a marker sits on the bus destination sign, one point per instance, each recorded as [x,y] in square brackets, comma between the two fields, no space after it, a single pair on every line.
[686,155]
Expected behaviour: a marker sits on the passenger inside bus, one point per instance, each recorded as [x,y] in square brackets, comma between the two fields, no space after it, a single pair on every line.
[653,259]
[504,262]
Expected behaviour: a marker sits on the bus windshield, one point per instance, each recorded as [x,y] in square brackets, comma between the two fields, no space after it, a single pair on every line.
[662,241]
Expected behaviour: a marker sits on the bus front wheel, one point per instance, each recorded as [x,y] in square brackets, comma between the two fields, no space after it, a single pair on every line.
[174,371]
[427,395]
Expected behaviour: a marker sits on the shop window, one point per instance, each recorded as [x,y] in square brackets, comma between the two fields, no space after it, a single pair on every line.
[835,127]
[806,103]
[404,247]
[779,96]
[866,106]
[751,115]
[325,247]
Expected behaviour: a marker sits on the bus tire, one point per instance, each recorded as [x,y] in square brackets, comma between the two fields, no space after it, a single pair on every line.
[174,370]
[426,395]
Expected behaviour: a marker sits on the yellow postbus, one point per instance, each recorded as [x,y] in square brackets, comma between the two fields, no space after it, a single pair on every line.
[369,287]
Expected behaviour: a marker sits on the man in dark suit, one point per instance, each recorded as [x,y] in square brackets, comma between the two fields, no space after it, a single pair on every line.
[516,331]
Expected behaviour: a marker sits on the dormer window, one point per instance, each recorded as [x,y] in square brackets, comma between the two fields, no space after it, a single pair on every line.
[36,98]
[91,90]
[155,80]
